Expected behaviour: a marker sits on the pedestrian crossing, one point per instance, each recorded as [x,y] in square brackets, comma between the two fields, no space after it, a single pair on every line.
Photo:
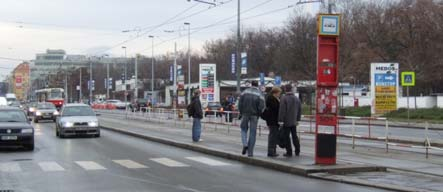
[86,165]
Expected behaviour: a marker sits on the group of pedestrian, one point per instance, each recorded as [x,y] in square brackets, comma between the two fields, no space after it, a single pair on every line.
[281,113]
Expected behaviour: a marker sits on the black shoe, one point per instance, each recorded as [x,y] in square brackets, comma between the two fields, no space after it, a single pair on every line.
[250,155]
[273,155]
[297,153]
[245,149]
[287,154]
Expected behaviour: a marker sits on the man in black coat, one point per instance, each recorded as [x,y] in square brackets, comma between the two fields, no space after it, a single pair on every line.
[271,117]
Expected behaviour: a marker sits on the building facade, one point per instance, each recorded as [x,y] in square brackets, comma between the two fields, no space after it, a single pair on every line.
[20,81]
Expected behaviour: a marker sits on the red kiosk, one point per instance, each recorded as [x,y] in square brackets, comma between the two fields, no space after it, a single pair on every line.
[326,128]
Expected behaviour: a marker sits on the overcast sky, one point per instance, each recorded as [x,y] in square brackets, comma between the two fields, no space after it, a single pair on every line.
[94,27]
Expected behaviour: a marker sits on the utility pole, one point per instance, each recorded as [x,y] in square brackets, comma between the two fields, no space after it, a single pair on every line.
[107,80]
[189,62]
[174,102]
[124,80]
[80,88]
[238,48]
[136,77]
[152,67]
[90,82]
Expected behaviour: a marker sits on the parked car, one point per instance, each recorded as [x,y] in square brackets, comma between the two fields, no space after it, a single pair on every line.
[15,128]
[45,111]
[214,108]
[117,103]
[77,119]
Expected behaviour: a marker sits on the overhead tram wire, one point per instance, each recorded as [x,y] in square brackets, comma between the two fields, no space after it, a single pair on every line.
[195,13]
[211,25]
[146,32]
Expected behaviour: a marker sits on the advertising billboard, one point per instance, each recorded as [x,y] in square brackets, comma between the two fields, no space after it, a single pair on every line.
[208,78]
[384,87]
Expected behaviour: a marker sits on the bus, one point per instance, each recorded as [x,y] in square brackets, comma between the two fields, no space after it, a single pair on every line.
[53,95]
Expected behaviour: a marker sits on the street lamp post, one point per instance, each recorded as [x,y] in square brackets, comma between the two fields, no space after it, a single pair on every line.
[152,67]
[189,61]
[90,82]
[136,77]
[124,80]
[238,48]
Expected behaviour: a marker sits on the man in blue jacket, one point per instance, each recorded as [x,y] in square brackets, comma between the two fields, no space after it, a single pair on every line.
[251,105]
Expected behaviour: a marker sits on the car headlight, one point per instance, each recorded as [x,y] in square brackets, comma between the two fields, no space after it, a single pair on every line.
[31,109]
[68,124]
[38,113]
[27,130]
[93,124]
[56,113]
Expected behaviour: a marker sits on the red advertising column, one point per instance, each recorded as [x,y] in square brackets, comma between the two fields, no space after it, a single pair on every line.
[326,128]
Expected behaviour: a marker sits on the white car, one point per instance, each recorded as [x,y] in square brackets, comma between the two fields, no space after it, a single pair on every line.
[77,119]
[3,101]
[117,103]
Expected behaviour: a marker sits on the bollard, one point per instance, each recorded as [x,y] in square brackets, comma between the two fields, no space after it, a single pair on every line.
[427,143]
[259,130]
[369,129]
[353,133]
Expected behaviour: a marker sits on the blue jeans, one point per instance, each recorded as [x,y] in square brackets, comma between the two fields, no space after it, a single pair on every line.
[196,129]
[249,122]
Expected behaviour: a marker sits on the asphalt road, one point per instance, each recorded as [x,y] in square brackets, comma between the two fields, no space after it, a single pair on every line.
[117,162]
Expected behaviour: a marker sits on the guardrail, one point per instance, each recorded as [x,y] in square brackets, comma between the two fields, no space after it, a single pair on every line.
[229,120]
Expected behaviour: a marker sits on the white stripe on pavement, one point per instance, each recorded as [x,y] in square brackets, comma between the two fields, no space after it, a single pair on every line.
[90,165]
[169,162]
[208,161]
[129,164]
[50,166]
[10,167]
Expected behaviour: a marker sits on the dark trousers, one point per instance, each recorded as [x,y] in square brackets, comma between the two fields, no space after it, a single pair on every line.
[291,130]
[273,139]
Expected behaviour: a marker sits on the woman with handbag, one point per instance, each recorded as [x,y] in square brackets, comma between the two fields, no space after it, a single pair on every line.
[270,115]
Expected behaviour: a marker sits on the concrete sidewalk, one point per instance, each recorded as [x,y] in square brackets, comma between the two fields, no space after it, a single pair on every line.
[219,143]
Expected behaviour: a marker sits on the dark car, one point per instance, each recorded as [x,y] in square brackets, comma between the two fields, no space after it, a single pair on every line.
[30,108]
[45,111]
[15,128]
[214,108]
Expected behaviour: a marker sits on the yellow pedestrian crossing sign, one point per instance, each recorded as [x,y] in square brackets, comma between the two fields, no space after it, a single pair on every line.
[408,78]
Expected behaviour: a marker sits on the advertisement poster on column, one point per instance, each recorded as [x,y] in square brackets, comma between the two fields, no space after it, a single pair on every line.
[384,87]
[207,82]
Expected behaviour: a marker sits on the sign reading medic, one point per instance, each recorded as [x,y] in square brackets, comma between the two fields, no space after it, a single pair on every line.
[384,87]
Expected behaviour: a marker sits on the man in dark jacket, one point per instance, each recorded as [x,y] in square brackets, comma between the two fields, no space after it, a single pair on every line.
[197,115]
[271,117]
[251,105]
[289,114]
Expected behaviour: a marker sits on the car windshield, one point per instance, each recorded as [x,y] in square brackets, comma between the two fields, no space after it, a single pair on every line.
[45,106]
[12,116]
[78,111]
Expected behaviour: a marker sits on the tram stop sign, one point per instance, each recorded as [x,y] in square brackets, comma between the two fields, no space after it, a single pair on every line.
[408,79]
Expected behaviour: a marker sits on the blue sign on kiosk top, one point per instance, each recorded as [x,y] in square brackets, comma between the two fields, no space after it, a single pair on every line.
[329,25]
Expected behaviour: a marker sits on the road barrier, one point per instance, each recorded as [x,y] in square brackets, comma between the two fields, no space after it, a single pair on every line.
[230,119]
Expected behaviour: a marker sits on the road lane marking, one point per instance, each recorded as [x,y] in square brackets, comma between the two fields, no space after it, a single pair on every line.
[50,166]
[208,161]
[129,164]
[169,162]
[10,167]
[90,165]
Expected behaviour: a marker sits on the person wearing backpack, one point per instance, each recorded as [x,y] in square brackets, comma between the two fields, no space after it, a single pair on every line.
[196,112]
[270,115]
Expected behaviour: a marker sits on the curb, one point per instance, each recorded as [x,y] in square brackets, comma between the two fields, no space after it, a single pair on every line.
[312,172]
[361,182]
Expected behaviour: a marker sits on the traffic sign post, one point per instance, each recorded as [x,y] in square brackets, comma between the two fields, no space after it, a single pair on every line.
[408,80]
